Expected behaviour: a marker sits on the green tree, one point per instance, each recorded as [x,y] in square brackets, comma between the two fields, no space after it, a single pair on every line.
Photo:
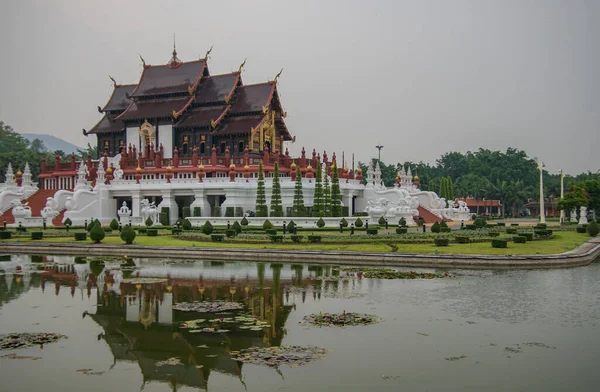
[326,197]
[575,198]
[97,234]
[128,234]
[336,195]
[261,200]
[450,189]
[298,208]
[276,208]
[319,202]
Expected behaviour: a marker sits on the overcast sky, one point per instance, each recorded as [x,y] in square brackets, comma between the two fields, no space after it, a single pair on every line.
[419,77]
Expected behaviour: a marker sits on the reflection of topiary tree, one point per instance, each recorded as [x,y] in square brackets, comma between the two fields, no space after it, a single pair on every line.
[128,234]
[298,209]
[96,266]
[319,203]
[276,208]
[336,195]
[261,200]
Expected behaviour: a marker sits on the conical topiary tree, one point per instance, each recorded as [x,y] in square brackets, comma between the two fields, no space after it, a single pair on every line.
[450,191]
[276,208]
[114,224]
[128,234]
[298,208]
[97,233]
[318,203]
[336,195]
[261,200]
[326,197]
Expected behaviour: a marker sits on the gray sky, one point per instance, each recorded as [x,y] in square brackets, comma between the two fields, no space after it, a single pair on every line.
[421,77]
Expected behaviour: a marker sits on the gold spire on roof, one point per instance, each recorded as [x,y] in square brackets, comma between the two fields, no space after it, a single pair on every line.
[208,52]
[242,65]
[174,62]
[278,75]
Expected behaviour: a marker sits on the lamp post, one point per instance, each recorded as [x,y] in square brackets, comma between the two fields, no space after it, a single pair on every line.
[562,194]
[542,209]
[379,153]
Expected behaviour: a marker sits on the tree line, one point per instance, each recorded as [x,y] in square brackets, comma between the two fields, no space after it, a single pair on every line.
[510,176]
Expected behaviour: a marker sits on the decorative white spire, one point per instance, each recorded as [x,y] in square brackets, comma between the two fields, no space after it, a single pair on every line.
[100,174]
[26,175]
[9,178]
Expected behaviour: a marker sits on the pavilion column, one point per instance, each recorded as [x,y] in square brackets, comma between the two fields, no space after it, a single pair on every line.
[136,199]
[200,200]
[169,201]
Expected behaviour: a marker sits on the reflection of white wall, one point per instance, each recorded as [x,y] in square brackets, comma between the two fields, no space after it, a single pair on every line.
[132,310]
[165,310]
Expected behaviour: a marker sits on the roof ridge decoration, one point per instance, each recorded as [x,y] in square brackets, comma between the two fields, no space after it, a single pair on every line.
[114,81]
[143,62]
[207,53]
[174,62]
[277,76]
[242,66]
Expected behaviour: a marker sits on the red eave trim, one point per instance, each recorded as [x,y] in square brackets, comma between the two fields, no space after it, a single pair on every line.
[222,116]
[201,73]
[237,80]
[125,111]
[138,85]
[187,105]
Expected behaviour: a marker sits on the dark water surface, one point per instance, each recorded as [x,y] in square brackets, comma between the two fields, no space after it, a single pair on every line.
[522,330]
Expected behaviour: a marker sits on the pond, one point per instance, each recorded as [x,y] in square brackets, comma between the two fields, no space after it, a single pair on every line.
[161,325]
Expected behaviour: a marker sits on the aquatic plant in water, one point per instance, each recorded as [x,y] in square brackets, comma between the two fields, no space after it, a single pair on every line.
[292,356]
[339,319]
[224,324]
[13,341]
[208,307]
[388,273]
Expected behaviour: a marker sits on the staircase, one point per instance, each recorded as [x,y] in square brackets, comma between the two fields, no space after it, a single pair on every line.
[37,202]
[429,216]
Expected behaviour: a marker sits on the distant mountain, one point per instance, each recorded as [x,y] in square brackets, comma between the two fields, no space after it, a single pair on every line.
[53,143]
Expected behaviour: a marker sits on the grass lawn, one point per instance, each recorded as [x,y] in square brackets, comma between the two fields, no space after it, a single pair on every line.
[562,241]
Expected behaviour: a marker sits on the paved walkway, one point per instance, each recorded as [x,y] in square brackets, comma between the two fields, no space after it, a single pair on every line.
[583,255]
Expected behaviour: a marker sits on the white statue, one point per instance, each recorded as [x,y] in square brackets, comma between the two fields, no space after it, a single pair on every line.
[149,210]
[583,215]
[118,172]
[50,211]
[20,210]
[124,211]
[574,215]
[82,174]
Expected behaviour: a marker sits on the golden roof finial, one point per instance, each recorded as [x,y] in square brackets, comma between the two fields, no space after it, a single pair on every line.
[190,90]
[175,114]
[277,76]
[208,52]
[242,65]
[113,80]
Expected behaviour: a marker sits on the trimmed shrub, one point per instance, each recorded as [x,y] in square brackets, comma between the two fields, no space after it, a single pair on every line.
[207,228]
[542,226]
[217,237]
[479,222]
[276,238]
[80,236]
[473,217]
[271,231]
[445,230]
[381,221]
[514,224]
[462,240]
[470,227]
[197,211]
[5,235]
[528,236]
[142,230]
[152,232]
[186,212]
[372,231]
[128,234]
[97,234]
[114,224]
[490,226]
[237,227]
[593,228]
[498,243]
[267,225]
[244,221]
[435,228]
[68,222]
[176,231]
[229,212]
[107,230]
[501,224]
[344,222]
[297,238]
[511,230]
[541,233]
[443,225]
[358,223]
[291,226]
[401,230]
[360,214]
[163,218]
[186,224]
[519,239]
[230,233]
[441,241]
[314,238]
[37,235]
[402,222]
[495,234]
[320,223]
[581,229]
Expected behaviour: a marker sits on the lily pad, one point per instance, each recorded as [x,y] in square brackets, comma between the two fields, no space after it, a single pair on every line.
[388,273]
[292,356]
[207,307]
[339,319]
[144,280]
[21,340]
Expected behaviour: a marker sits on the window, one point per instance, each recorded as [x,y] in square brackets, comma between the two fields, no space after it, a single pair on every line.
[241,146]
[202,148]
[223,147]
[185,149]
